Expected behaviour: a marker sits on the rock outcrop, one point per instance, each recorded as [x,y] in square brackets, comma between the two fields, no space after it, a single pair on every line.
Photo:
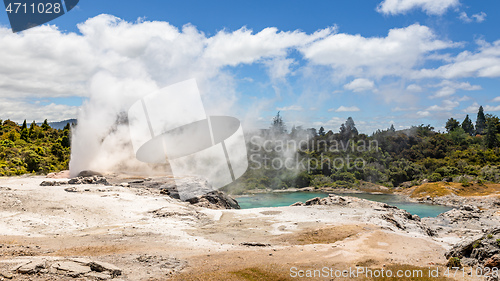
[71,267]
[215,200]
[481,250]
[396,217]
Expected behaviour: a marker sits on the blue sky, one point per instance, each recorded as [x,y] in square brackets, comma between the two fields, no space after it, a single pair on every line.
[401,62]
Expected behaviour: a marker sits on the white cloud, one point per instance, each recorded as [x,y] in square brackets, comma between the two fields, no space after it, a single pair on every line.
[10,108]
[279,68]
[483,63]
[447,105]
[334,123]
[497,99]
[46,62]
[423,113]
[414,88]
[242,46]
[399,109]
[431,7]
[345,109]
[450,88]
[492,108]
[472,108]
[360,85]
[479,17]
[396,54]
[290,108]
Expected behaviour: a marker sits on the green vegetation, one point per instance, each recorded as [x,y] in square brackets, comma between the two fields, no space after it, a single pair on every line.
[454,262]
[465,154]
[33,149]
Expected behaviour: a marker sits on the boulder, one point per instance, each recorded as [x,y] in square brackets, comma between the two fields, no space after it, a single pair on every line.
[494,261]
[71,268]
[105,267]
[483,249]
[88,173]
[89,180]
[215,200]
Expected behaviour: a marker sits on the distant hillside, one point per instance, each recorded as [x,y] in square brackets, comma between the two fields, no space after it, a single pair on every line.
[60,125]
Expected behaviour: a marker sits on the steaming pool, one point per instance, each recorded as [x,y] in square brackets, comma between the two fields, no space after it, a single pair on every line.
[281,199]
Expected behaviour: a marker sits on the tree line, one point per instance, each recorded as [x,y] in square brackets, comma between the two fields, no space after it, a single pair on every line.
[33,149]
[466,153]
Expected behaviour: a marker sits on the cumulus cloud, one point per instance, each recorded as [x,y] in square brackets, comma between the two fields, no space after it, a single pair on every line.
[396,54]
[431,7]
[472,108]
[485,62]
[334,122]
[446,105]
[345,109]
[35,110]
[492,108]
[46,62]
[497,99]
[279,68]
[479,17]
[414,88]
[360,85]
[449,88]
[290,108]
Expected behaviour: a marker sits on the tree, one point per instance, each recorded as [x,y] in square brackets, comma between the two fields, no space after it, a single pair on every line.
[451,124]
[25,134]
[492,124]
[45,125]
[480,121]
[342,130]
[392,129]
[24,125]
[468,126]
[278,127]
[321,131]
[350,126]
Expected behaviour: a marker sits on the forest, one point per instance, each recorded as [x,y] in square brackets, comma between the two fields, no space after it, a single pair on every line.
[33,149]
[466,153]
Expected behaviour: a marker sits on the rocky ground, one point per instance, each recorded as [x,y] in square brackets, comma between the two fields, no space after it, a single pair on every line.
[132,228]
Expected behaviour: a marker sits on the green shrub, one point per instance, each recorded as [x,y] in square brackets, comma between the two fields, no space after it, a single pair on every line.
[464,182]
[435,177]
[454,262]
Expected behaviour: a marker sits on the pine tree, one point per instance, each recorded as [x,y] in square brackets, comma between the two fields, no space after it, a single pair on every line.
[392,129]
[480,121]
[351,127]
[24,125]
[45,125]
[492,124]
[451,125]
[468,126]
[278,126]
[321,131]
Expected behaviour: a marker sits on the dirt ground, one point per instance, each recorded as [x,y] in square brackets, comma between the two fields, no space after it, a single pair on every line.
[154,237]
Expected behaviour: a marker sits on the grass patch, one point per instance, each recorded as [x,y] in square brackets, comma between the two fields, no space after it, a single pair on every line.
[435,189]
[93,250]
[325,235]
[269,272]
[438,189]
